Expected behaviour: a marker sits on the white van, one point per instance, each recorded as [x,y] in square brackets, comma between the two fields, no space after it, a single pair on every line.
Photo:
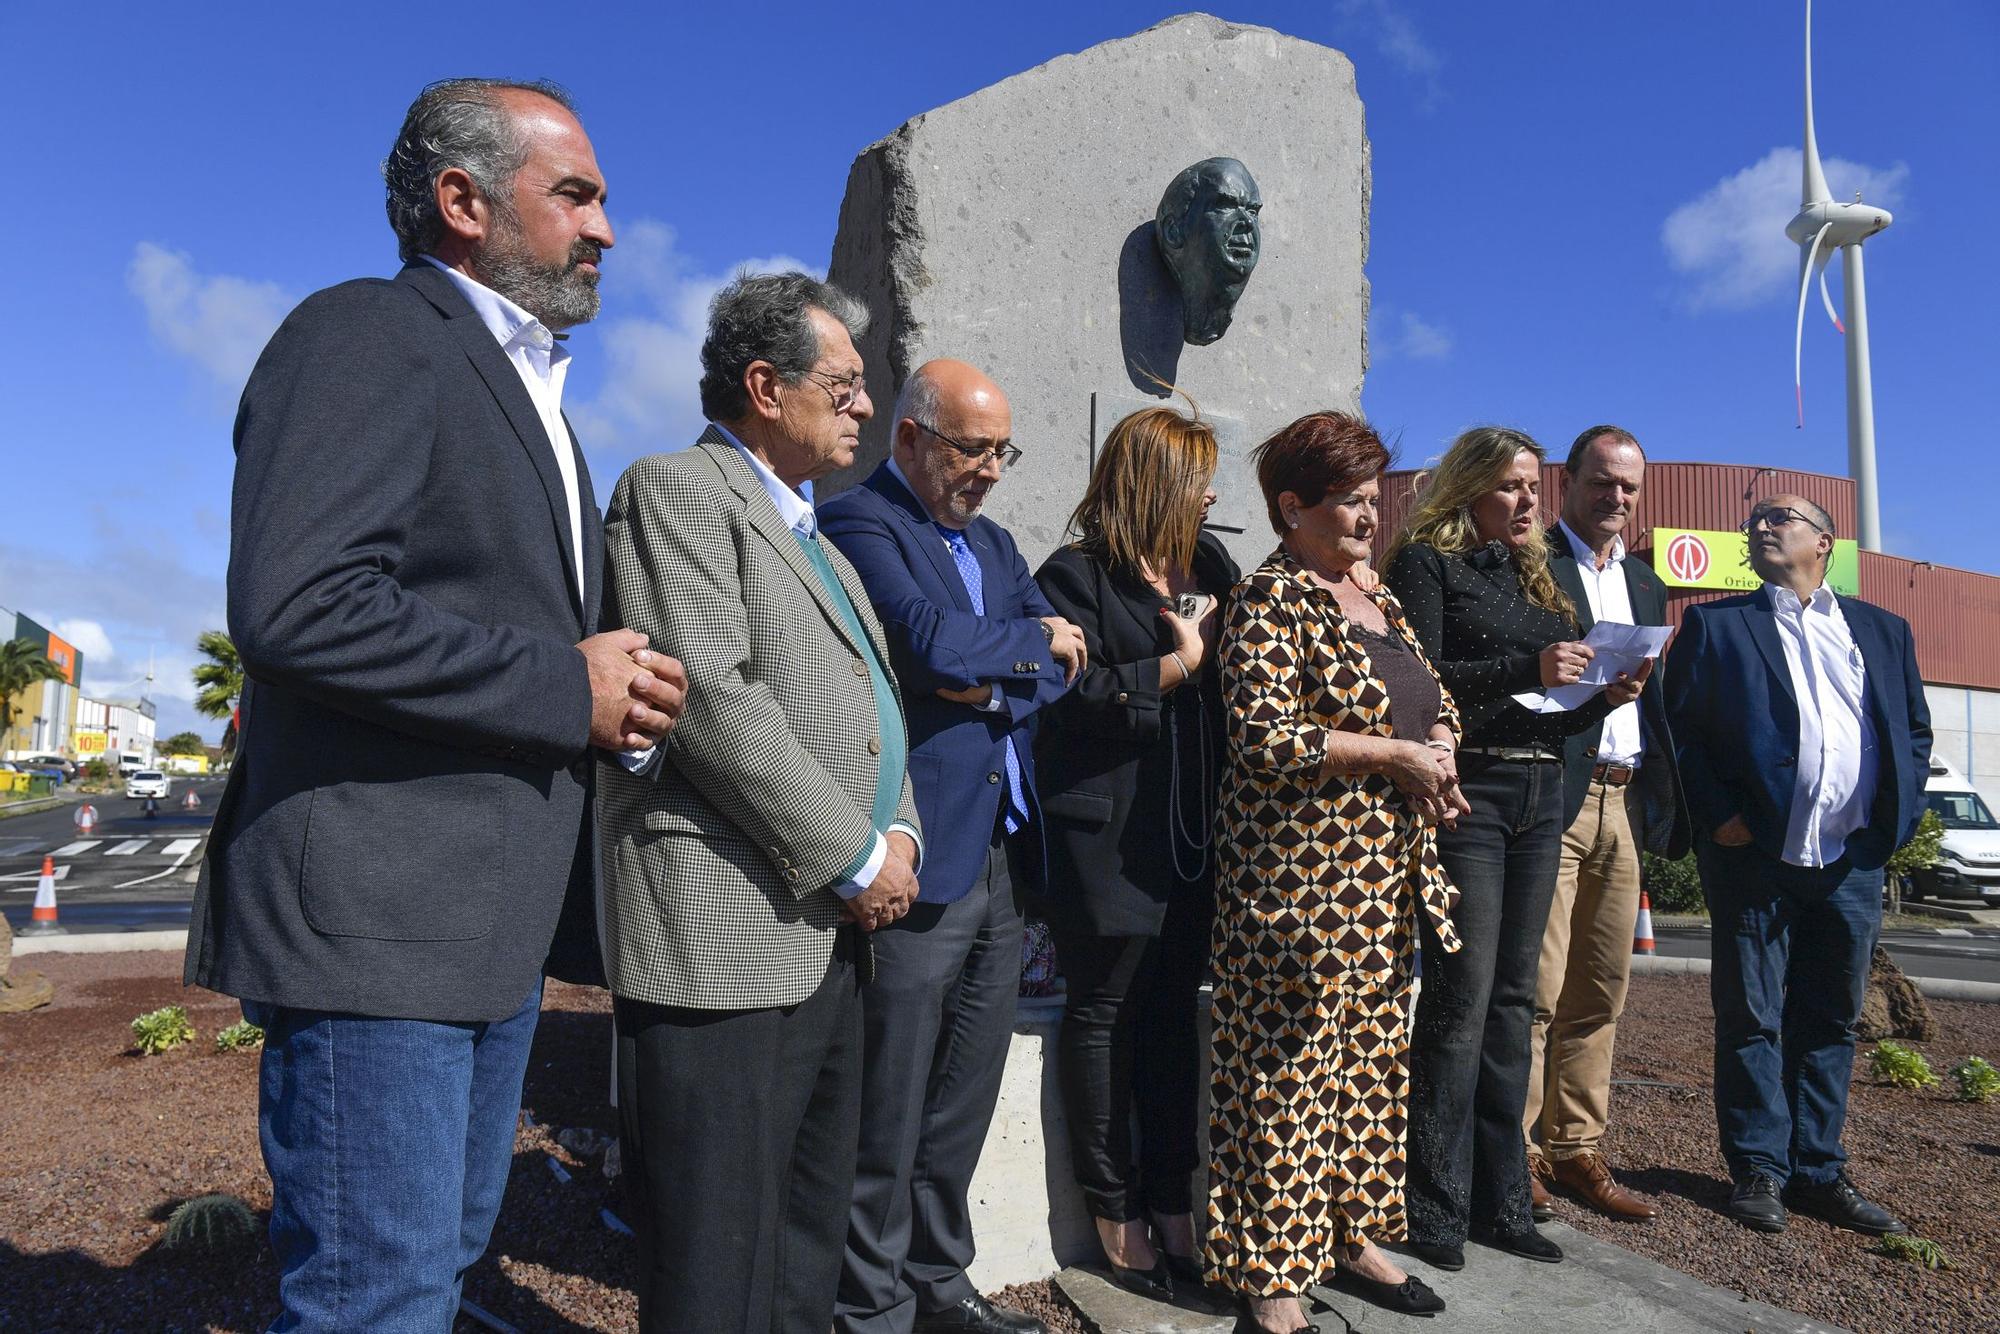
[1969,866]
[129,764]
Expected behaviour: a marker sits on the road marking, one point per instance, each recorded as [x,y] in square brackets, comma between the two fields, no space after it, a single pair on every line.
[180,847]
[145,879]
[19,847]
[34,880]
[72,849]
[127,848]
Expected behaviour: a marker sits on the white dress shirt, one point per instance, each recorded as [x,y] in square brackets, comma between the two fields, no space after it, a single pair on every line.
[1610,598]
[1838,759]
[543,365]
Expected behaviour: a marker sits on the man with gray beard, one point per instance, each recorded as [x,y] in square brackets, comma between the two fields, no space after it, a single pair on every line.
[405,844]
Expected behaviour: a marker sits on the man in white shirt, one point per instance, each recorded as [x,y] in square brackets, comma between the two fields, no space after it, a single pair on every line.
[405,842]
[1804,744]
[1621,795]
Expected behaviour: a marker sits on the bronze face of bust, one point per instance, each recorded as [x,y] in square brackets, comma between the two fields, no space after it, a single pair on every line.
[1209,236]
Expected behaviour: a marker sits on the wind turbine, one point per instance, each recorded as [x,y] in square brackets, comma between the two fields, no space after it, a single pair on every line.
[1822,227]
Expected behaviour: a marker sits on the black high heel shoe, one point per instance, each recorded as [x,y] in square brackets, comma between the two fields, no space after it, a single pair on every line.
[1246,1323]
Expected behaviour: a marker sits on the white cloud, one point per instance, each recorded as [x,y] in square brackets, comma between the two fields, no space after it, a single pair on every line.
[1729,243]
[218,321]
[1390,27]
[89,638]
[1402,335]
[651,396]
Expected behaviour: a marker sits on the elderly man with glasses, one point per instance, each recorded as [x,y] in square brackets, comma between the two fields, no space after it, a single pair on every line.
[1804,742]
[978,650]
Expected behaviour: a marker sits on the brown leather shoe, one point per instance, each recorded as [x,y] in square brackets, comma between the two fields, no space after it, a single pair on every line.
[1588,1177]
[1541,1203]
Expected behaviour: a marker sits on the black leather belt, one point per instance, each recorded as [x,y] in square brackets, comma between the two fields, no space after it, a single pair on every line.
[1519,754]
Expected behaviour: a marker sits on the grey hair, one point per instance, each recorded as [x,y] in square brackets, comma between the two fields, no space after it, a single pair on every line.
[456,123]
[919,400]
[767,317]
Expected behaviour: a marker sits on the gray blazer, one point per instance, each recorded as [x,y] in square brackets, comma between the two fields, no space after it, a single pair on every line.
[719,862]
[409,804]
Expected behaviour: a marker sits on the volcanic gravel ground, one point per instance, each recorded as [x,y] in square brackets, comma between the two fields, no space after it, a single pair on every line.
[102,1143]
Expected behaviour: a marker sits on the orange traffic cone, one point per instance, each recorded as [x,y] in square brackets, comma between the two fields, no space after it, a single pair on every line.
[43,921]
[86,819]
[1642,930]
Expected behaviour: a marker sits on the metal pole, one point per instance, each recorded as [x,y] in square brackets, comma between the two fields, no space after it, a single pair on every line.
[1861,407]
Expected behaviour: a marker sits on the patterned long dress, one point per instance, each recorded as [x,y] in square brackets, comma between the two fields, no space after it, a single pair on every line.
[1315,934]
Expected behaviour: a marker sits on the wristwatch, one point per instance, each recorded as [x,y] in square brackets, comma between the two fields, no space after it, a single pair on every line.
[1048,631]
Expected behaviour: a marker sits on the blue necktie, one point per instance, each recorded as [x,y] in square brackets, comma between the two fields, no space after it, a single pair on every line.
[975,589]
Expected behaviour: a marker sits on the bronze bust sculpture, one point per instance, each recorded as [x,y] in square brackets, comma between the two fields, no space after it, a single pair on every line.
[1209,236]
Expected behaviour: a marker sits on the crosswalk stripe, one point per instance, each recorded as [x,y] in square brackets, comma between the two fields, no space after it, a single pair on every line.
[180,847]
[127,848]
[72,849]
[19,847]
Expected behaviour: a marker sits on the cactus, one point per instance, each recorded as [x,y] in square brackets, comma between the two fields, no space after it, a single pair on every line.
[239,1036]
[1977,1080]
[162,1030]
[1893,1063]
[210,1225]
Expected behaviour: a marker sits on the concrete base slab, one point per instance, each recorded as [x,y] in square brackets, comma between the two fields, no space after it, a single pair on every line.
[1598,1287]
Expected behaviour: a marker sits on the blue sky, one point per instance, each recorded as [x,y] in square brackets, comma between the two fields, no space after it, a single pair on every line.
[1576,218]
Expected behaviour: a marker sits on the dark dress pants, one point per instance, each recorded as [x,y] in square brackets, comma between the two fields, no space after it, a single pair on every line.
[1469,1054]
[938,1017]
[1130,1036]
[1791,947]
[738,1130]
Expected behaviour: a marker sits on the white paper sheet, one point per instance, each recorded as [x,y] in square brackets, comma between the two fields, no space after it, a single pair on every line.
[1618,648]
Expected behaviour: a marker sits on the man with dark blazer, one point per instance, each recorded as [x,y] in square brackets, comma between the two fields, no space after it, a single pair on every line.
[978,651]
[1804,745]
[1621,795]
[413,588]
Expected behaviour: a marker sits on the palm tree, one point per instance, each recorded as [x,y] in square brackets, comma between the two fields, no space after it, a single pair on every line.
[219,682]
[22,663]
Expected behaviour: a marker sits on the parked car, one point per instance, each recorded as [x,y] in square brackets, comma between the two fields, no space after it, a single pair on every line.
[1969,862]
[147,783]
[64,769]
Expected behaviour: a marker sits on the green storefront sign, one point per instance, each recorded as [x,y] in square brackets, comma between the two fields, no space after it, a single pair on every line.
[1700,558]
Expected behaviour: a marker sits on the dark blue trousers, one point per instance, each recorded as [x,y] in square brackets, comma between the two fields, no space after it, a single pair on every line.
[1790,948]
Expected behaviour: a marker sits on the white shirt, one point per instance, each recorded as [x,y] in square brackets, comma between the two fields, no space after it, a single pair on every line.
[1835,783]
[1610,598]
[543,365]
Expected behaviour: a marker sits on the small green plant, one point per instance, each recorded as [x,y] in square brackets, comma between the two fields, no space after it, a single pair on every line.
[1906,1246]
[1977,1080]
[210,1225]
[239,1036]
[162,1030]
[1893,1063]
[1673,886]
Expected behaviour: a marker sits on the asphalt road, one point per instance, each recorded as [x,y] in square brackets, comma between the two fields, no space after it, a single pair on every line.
[128,873]
[1974,957]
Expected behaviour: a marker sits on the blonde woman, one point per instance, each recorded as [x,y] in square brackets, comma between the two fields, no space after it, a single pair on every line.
[1472,572]
[1126,766]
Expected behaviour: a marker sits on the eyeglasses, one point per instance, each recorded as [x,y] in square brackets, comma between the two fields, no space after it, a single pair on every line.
[1775,516]
[979,458]
[842,389]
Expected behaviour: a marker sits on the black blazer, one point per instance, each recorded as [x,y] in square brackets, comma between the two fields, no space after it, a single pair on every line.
[1666,830]
[1736,718]
[408,809]
[1106,752]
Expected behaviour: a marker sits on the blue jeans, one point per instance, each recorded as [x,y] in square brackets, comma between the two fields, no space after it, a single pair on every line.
[1469,1053]
[388,1143]
[1791,947]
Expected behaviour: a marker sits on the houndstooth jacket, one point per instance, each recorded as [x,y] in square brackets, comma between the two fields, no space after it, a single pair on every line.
[719,862]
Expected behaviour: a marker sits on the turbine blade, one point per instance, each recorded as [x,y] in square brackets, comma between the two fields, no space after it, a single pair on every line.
[1813,189]
[1826,299]
[1799,331]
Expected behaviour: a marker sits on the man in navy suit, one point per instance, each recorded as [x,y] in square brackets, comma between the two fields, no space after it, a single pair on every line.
[1804,743]
[977,650]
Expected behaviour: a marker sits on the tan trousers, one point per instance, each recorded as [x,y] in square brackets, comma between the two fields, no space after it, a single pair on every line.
[1586,966]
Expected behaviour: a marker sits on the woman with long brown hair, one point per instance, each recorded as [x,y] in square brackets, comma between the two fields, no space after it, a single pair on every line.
[1471,567]
[1126,768]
